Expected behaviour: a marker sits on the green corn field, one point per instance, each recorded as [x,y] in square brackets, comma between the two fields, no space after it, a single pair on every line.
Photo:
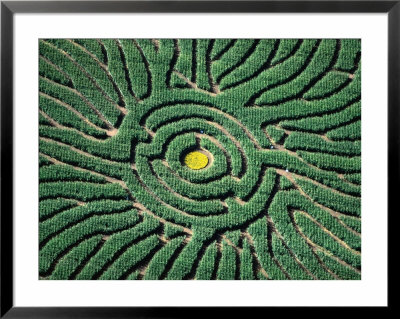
[280,194]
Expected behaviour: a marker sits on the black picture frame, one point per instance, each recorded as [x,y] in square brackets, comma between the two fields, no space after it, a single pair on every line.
[9,8]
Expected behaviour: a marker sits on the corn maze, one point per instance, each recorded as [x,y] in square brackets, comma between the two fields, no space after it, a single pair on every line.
[204,159]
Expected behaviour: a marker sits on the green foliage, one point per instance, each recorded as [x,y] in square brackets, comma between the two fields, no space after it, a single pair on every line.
[334,200]
[283,257]
[207,263]
[279,119]
[67,172]
[330,83]
[330,162]
[157,264]
[275,133]
[351,131]
[322,123]
[49,207]
[316,143]
[246,262]
[227,267]
[69,264]
[285,183]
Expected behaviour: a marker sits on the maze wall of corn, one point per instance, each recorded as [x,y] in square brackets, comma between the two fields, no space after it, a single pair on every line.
[204,159]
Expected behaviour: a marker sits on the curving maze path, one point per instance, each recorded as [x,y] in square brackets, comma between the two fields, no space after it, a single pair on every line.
[279,195]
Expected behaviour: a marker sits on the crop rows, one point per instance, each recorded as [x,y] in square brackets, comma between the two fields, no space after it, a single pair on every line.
[280,123]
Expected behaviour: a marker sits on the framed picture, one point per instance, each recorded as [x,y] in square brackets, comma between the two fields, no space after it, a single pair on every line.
[158,155]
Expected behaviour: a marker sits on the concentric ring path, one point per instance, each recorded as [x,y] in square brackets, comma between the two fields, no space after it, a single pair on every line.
[200,159]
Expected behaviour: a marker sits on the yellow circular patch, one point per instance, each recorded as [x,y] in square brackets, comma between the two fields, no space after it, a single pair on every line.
[196,160]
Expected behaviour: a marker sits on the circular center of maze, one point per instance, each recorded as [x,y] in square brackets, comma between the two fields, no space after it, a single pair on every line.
[196,160]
